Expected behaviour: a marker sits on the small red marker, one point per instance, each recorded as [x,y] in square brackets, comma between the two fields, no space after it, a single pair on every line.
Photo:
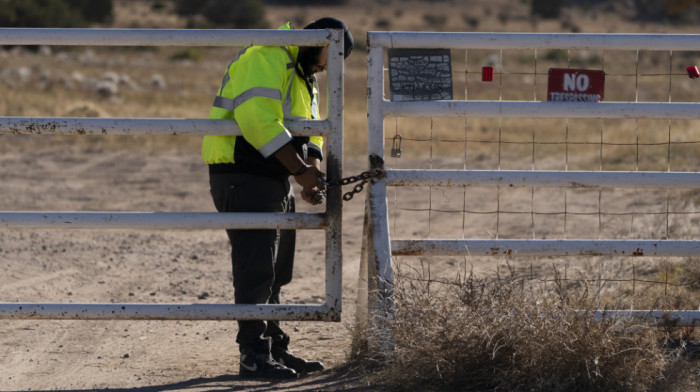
[486,74]
[692,72]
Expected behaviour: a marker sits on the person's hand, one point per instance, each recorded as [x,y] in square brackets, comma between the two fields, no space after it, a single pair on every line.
[313,196]
[310,178]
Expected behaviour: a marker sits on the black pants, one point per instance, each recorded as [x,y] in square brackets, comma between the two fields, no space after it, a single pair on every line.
[262,260]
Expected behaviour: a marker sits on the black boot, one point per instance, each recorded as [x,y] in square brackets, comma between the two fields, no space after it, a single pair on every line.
[263,366]
[300,365]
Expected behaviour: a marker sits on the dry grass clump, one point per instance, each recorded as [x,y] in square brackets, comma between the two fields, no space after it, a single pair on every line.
[507,334]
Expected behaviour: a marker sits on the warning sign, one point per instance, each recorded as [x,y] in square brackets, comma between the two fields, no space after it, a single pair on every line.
[420,74]
[575,85]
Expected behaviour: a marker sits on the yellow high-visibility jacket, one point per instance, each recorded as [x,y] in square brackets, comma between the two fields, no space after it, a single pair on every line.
[260,90]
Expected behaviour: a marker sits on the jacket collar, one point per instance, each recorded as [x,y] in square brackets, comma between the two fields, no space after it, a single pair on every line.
[294,50]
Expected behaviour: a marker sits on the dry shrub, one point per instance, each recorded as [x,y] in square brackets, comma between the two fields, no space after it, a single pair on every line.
[514,335]
[85,109]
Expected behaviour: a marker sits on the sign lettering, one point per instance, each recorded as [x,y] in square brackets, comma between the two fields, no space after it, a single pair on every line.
[575,85]
[420,74]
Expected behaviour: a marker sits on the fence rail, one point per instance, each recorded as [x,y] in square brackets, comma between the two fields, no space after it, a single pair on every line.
[528,109]
[147,126]
[515,248]
[413,40]
[531,178]
[162,220]
[61,311]
[163,37]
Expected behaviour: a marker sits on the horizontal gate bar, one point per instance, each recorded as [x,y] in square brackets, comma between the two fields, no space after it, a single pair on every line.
[149,126]
[534,41]
[162,37]
[162,220]
[67,311]
[535,109]
[545,248]
[527,178]
[681,318]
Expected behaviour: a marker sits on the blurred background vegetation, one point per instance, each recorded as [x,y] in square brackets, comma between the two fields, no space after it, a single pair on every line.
[252,13]
[55,13]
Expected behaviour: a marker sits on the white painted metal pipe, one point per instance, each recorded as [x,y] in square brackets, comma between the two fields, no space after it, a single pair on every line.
[334,165]
[375,97]
[536,109]
[380,236]
[66,311]
[162,220]
[162,37]
[527,178]
[515,248]
[498,41]
[149,126]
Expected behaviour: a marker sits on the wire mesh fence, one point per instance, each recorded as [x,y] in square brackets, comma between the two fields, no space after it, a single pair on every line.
[566,144]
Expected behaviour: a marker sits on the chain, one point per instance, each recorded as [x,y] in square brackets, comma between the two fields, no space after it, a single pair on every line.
[362,178]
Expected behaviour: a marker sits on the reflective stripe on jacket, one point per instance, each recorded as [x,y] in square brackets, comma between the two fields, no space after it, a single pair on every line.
[260,90]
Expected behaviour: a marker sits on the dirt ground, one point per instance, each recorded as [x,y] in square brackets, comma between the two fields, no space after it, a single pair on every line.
[192,266]
[139,266]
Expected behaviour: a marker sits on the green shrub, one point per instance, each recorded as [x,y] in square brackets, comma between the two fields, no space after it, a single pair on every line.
[659,10]
[8,15]
[306,2]
[193,53]
[546,8]
[243,14]
[93,11]
[435,21]
[382,24]
[189,7]
[39,13]
[54,13]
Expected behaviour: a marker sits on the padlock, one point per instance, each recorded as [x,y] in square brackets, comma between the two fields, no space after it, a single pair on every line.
[396,147]
[692,72]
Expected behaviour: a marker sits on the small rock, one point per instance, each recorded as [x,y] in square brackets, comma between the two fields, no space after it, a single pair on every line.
[110,77]
[88,57]
[77,77]
[158,82]
[16,76]
[106,89]
[45,50]
[125,80]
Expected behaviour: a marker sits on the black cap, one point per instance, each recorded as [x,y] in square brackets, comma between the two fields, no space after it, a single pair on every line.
[334,23]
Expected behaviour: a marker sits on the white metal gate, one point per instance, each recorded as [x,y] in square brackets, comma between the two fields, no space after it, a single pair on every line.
[377,271]
[330,221]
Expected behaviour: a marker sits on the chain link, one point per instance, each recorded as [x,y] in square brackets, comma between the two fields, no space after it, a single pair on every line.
[364,177]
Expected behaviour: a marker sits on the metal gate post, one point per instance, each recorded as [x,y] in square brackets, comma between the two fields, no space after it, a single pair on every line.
[378,262]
